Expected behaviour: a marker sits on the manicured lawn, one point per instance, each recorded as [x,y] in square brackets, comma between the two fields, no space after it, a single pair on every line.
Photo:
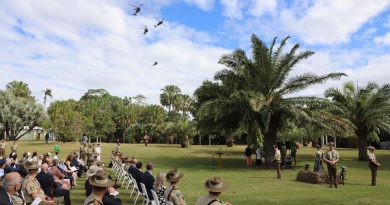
[249,186]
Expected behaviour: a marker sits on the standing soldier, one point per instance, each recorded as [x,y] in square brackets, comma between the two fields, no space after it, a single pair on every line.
[277,157]
[14,147]
[118,146]
[83,150]
[3,144]
[373,164]
[331,159]
[172,193]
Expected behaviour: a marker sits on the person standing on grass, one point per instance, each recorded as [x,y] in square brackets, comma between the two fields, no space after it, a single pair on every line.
[118,146]
[248,156]
[276,160]
[215,186]
[373,164]
[258,156]
[47,138]
[3,144]
[14,147]
[146,140]
[98,151]
[318,160]
[331,158]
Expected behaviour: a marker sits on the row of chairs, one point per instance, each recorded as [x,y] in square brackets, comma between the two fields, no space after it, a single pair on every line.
[127,180]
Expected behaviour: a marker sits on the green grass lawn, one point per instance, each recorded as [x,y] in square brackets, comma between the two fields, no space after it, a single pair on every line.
[248,186]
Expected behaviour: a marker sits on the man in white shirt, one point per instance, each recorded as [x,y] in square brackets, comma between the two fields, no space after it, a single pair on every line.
[98,150]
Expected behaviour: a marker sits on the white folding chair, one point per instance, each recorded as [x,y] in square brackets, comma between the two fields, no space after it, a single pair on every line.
[130,181]
[155,198]
[145,194]
[136,190]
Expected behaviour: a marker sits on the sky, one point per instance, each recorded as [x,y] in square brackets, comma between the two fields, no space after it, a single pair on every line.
[71,46]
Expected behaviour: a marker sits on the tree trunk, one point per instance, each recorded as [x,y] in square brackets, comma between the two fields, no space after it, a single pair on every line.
[362,145]
[269,142]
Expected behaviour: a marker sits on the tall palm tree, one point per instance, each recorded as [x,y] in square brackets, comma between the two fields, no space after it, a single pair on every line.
[258,90]
[183,103]
[168,96]
[368,108]
[47,92]
[19,89]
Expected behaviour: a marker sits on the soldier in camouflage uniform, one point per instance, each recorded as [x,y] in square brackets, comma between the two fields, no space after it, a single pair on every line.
[31,187]
[172,193]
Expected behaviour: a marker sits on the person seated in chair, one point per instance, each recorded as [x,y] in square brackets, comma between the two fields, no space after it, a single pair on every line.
[148,180]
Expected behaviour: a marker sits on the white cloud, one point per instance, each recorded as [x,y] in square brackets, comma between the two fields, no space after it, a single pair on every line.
[261,7]
[232,8]
[331,21]
[376,69]
[99,46]
[203,4]
[383,39]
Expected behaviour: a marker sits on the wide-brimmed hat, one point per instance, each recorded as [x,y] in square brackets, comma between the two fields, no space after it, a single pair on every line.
[215,184]
[174,175]
[100,179]
[32,165]
[371,147]
[92,170]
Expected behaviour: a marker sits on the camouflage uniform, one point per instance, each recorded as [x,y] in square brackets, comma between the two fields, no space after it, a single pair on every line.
[174,195]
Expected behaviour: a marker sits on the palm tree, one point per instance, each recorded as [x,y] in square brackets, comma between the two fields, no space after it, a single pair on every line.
[19,89]
[182,102]
[168,96]
[368,108]
[258,90]
[46,92]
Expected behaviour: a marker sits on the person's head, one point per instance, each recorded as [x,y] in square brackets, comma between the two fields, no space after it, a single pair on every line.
[174,176]
[134,161]
[215,186]
[54,162]
[98,145]
[25,155]
[44,167]
[14,156]
[371,149]
[32,168]
[34,154]
[100,182]
[138,165]
[149,166]
[160,180]
[14,141]
[69,158]
[318,147]
[275,147]
[12,182]
[331,146]
[56,153]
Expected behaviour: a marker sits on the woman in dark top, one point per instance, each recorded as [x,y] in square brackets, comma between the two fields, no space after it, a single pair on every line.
[248,156]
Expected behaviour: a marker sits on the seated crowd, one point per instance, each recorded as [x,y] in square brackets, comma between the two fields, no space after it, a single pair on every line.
[42,178]
[167,192]
[36,177]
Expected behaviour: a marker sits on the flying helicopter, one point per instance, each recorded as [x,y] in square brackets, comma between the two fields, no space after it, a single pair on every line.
[136,9]
[159,22]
